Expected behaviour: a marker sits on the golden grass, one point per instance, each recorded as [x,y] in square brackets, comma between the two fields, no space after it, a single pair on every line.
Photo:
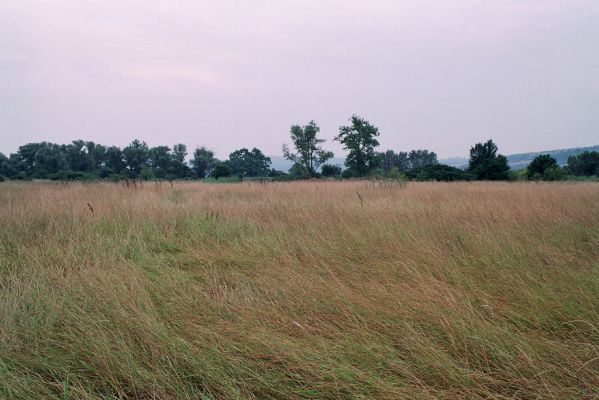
[320,290]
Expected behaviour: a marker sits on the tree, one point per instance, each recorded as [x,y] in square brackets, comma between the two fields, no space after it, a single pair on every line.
[178,166]
[7,167]
[249,163]
[330,170]
[390,159]
[203,162]
[536,169]
[113,160]
[359,139]
[420,158]
[160,161]
[96,154]
[136,157]
[77,157]
[486,164]
[584,164]
[309,155]
[221,169]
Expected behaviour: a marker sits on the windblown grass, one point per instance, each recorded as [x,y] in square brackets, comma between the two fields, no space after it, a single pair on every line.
[316,290]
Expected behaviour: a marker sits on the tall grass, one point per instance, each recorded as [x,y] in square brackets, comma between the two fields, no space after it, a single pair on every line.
[316,290]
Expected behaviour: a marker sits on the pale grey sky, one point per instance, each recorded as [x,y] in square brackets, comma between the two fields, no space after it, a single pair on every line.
[228,74]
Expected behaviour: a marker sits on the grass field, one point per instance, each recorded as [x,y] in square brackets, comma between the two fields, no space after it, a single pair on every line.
[316,290]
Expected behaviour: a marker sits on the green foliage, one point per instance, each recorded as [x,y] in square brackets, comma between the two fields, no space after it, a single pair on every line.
[2,178]
[584,164]
[297,172]
[160,161]
[179,168]
[221,169]
[203,162]
[114,159]
[486,164]
[309,154]
[349,173]
[519,175]
[73,176]
[376,173]
[536,169]
[330,170]
[420,158]
[359,138]
[247,163]
[136,157]
[439,172]
[554,173]
[390,159]
[397,174]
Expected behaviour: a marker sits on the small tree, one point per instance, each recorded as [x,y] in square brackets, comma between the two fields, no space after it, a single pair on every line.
[309,155]
[359,138]
[538,166]
[330,170]
[486,164]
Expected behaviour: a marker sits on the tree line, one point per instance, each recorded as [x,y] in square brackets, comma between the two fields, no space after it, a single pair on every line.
[87,160]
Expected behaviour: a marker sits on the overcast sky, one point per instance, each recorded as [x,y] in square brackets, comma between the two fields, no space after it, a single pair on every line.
[227,74]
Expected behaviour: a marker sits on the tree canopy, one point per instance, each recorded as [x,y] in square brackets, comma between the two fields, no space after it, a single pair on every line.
[359,138]
[486,164]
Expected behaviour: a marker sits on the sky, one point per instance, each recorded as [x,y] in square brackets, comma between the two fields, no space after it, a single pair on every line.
[439,75]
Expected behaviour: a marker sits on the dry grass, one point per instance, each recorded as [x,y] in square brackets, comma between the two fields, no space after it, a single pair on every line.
[322,290]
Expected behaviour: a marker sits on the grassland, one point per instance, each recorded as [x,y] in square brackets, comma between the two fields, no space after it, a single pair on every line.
[316,290]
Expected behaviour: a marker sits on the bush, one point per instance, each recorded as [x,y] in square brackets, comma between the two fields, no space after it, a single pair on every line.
[554,173]
[73,176]
[330,170]
[395,173]
[518,175]
[2,178]
[349,173]
[439,172]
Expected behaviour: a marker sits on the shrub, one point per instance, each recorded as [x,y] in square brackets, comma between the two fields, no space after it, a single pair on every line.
[73,176]
[439,172]
[330,170]
[395,173]
[554,173]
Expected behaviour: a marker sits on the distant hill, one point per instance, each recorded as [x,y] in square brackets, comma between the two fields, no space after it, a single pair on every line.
[516,161]
[521,160]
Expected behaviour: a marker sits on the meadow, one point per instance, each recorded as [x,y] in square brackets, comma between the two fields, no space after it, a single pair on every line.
[299,290]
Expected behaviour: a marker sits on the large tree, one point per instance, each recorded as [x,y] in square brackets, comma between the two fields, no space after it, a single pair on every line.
[136,157]
[160,161]
[203,162]
[359,138]
[249,163]
[486,164]
[309,154]
[114,160]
